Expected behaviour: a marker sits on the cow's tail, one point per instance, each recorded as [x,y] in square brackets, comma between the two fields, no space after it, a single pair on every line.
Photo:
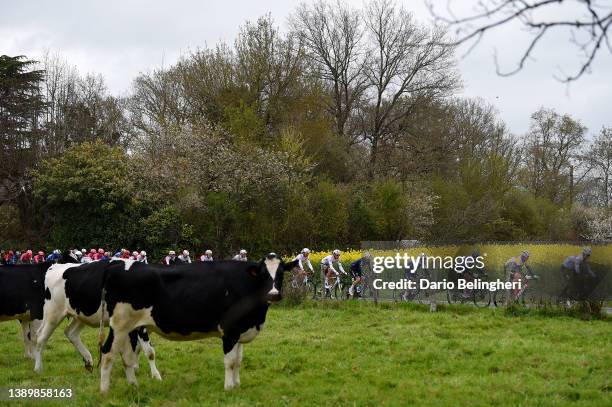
[102,309]
[101,331]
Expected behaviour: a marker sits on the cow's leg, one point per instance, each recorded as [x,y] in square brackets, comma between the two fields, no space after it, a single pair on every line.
[237,362]
[118,342]
[130,357]
[230,349]
[50,322]
[27,339]
[106,363]
[147,347]
[73,333]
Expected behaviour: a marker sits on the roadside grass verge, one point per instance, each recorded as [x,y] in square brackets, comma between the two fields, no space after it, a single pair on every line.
[354,353]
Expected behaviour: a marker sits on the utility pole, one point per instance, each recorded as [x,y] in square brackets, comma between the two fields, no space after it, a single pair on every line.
[571,187]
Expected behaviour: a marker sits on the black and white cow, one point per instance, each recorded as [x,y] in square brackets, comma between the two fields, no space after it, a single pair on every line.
[224,299]
[21,298]
[76,290]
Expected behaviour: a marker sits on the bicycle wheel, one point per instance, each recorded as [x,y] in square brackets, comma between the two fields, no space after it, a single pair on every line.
[311,289]
[452,296]
[482,298]
[340,291]
[499,298]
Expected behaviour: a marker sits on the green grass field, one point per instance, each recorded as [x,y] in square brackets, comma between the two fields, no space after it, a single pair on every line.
[354,354]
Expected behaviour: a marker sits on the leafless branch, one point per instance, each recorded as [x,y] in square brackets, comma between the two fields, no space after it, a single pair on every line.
[594,22]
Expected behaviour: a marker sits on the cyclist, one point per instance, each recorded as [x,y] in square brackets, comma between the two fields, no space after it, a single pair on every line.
[328,270]
[170,258]
[572,267]
[184,257]
[142,257]
[515,265]
[356,270]
[572,264]
[513,269]
[301,259]
[410,275]
[54,256]
[469,275]
[26,257]
[242,256]
[207,256]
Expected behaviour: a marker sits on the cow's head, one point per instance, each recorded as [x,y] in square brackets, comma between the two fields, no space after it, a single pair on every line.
[272,268]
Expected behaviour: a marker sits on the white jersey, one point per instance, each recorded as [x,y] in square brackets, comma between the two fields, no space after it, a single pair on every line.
[239,258]
[184,259]
[330,260]
[303,259]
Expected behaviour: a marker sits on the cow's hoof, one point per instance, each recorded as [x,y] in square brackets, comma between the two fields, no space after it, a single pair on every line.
[89,367]
[156,376]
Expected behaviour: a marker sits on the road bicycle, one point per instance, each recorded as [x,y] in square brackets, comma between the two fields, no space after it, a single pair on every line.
[481,297]
[415,293]
[526,290]
[305,283]
[339,288]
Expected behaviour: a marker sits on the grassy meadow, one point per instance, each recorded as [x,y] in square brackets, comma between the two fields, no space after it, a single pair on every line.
[354,353]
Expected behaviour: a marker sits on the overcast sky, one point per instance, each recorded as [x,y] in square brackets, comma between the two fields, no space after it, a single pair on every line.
[119,39]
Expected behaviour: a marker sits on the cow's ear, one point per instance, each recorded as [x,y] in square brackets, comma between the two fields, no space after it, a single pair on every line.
[254,270]
[291,265]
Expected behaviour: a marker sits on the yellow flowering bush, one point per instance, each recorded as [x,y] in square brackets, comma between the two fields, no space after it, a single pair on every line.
[548,255]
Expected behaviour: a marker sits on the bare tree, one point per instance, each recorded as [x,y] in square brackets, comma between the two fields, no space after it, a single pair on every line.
[405,63]
[588,22]
[269,66]
[551,146]
[331,34]
[599,156]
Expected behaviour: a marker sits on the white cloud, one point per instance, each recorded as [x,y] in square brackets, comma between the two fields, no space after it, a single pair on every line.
[119,39]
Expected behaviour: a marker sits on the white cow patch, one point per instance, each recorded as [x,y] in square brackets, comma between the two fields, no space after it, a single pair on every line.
[272,266]
[128,263]
[249,335]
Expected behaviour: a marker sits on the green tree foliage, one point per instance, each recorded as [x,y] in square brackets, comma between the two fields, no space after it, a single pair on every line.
[20,107]
[89,196]
[341,129]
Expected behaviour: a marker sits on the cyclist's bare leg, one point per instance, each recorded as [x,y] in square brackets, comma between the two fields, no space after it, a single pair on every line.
[330,277]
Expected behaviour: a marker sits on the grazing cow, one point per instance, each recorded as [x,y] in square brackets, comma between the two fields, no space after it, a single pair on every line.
[75,290]
[224,299]
[21,298]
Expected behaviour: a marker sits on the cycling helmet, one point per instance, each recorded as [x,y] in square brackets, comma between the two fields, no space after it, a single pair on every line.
[101,250]
[143,253]
[208,252]
[336,253]
[185,252]
[172,253]
[586,251]
[242,251]
[525,253]
[305,250]
[41,253]
[56,251]
[134,254]
[367,255]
